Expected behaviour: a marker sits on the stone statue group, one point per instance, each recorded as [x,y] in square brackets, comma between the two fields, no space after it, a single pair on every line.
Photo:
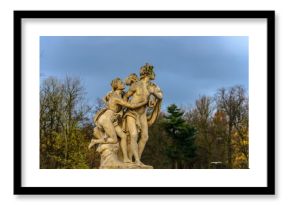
[121,130]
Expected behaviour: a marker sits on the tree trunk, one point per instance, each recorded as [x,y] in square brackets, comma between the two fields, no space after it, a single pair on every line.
[229,144]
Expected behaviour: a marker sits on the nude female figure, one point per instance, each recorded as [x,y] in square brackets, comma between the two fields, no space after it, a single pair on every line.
[108,120]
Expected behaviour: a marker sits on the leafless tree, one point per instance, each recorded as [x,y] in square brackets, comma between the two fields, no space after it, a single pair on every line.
[232,102]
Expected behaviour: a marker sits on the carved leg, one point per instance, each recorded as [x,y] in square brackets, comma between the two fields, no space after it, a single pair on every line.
[129,150]
[123,143]
[96,141]
[99,138]
[131,123]
[144,134]
[110,131]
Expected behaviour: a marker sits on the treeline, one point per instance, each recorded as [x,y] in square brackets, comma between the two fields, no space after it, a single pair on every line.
[211,134]
[219,137]
[65,128]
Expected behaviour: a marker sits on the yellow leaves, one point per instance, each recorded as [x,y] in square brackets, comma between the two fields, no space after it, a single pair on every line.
[245,142]
[240,161]
[241,146]
[219,117]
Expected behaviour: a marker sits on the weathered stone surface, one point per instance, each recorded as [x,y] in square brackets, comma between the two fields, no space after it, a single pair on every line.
[110,159]
[125,120]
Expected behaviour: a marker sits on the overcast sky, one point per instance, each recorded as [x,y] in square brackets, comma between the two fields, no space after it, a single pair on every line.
[185,67]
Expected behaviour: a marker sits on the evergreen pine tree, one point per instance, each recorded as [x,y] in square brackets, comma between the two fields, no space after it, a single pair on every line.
[182,148]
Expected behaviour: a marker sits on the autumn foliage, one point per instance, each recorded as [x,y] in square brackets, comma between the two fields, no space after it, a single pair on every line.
[213,131]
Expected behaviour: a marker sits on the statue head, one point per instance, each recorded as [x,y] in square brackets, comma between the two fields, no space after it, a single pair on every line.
[132,78]
[147,71]
[117,84]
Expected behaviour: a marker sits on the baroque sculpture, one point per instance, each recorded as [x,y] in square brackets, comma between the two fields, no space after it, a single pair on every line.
[121,130]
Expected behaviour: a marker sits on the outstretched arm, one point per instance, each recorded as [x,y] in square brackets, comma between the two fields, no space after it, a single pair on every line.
[130,92]
[131,105]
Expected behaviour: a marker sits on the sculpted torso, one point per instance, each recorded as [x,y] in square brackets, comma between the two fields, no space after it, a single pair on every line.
[139,93]
[113,103]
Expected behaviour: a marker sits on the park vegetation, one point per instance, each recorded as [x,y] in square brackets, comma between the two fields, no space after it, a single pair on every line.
[213,133]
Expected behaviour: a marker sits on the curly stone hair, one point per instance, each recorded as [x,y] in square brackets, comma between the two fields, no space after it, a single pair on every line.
[132,78]
[114,83]
[146,70]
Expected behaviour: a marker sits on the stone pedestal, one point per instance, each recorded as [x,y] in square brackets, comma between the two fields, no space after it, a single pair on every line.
[111,160]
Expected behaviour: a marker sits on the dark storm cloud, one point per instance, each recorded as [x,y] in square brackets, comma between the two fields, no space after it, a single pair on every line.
[185,67]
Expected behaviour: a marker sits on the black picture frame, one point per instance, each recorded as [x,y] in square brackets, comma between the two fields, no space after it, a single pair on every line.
[268,190]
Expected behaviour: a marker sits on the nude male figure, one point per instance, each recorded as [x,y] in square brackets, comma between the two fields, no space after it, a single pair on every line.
[139,91]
